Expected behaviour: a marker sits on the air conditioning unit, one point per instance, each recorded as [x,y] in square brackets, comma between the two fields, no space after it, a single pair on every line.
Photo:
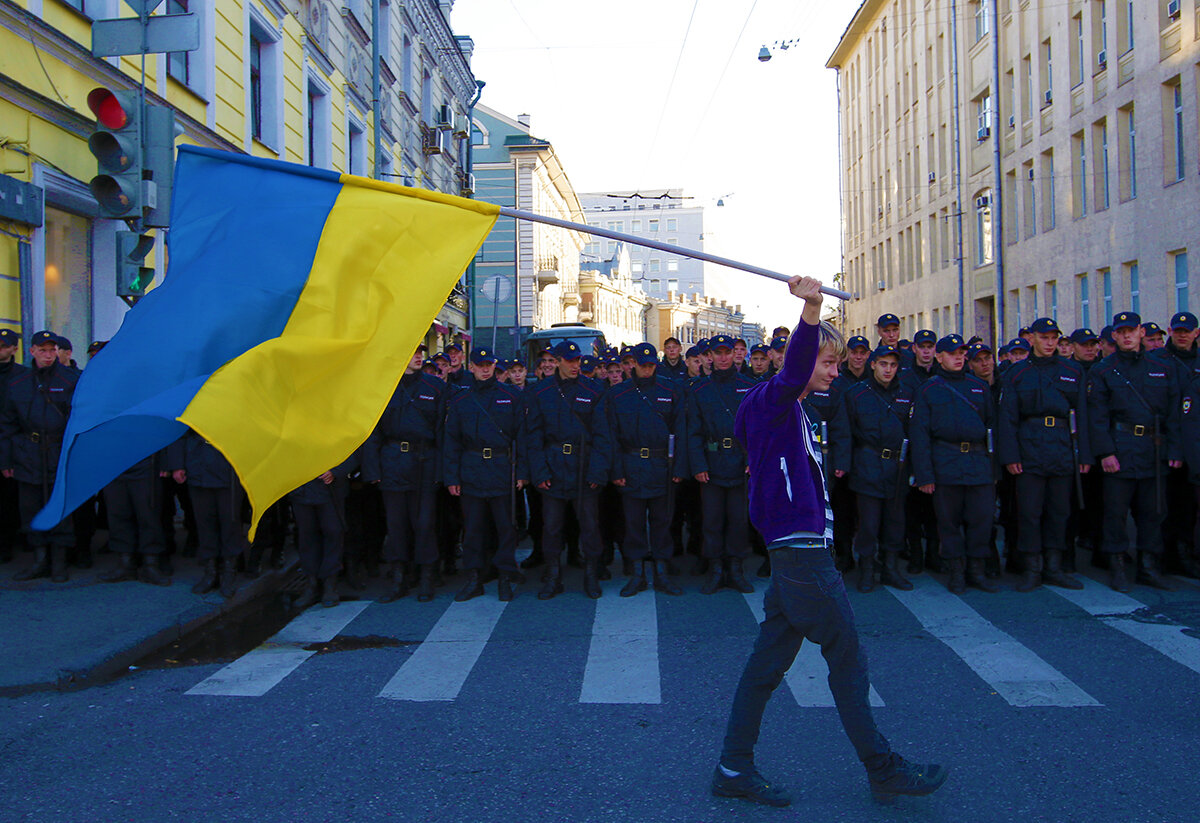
[1173,9]
[932,176]
[1031,174]
[1102,59]
[1048,97]
[880,284]
[462,125]
[445,117]
[433,143]
[1012,121]
[983,202]
[983,134]
[468,186]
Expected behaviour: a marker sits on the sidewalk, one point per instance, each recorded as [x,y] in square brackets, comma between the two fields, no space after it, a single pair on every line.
[70,635]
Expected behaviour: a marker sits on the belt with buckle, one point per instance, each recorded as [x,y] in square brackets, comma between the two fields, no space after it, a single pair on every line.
[1049,421]
[723,443]
[568,448]
[38,437]
[489,451]
[965,446]
[888,454]
[646,453]
[799,547]
[407,446]
[1136,431]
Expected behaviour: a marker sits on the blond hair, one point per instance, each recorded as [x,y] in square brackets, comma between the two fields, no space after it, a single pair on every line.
[828,337]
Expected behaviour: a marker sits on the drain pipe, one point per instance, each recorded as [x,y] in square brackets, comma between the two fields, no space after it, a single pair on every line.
[998,173]
[957,155]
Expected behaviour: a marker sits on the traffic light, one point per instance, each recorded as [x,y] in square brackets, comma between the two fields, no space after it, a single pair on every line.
[133,278]
[117,145]
[159,163]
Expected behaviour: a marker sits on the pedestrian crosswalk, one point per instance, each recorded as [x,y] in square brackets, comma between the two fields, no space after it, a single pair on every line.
[990,634]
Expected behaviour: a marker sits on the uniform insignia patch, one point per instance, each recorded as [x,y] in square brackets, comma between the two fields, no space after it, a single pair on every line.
[500,402]
[1187,405]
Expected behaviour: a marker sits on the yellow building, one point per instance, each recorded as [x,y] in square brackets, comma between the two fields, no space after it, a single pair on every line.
[285,79]
[1042,162]
[612,300]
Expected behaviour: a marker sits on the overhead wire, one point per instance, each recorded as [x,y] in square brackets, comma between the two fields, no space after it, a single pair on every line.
[671,86]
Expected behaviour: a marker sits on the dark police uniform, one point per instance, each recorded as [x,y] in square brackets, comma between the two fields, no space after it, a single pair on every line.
[713,402]
[10,513]
[1133,399]
[320,512]
[920,521]
[133,522]
[641,415]
[949,433]
[483,454]
[1190,436]
[562,418]
[1179,548]
[32,422]
[1038,399]
[216,495]
[401,455]
[877,417]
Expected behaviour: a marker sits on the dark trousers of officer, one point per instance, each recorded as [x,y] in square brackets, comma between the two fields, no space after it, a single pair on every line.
[1196,523]
[920,521]
[1043,504]
[320,538]
[10,514]
[880,525]
[612,519]
[1180,506]
[31,498]
[640,512]
[365,525]
[554,524]
[964,517]
[410,526]
[449,523]
[481,515]
[83,523]
[218,521]
[845,512]
[1006,493]
[726,520]
[1121,496]
[169,492]
[133,526]
[687,511]
[805,601]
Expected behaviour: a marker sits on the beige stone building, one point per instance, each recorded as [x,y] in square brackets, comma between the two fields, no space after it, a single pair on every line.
[1068,133]
[612,301]
[692,319]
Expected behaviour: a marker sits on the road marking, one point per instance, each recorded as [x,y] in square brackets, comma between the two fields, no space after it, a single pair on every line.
[440,666]
[808,678]
[1114,609]
[622,664]
[1013,670]
[260,670]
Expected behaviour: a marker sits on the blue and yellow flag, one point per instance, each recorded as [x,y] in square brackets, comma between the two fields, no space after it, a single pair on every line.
[293,301]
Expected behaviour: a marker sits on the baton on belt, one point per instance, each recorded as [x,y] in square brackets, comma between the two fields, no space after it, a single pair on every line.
[1073,428]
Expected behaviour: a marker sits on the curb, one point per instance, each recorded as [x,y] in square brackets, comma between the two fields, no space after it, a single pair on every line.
[70,680]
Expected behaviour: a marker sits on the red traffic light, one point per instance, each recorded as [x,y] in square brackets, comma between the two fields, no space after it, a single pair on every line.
[107,108]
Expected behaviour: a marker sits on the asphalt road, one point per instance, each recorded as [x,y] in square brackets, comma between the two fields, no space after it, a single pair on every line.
[1043,707]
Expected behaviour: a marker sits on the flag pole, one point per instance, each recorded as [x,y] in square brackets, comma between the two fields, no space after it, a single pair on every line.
[519,214]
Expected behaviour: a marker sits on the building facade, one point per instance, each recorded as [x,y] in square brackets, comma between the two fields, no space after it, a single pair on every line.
[664,215]
[1004,160]
[526,275]
[283,79]
[692,318]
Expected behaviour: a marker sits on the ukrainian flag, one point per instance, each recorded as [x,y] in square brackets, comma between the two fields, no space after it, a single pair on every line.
[293,301]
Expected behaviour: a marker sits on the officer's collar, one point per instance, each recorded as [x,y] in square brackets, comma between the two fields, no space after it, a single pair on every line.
[643,382]
[949,375]
[890,387]
[723,374]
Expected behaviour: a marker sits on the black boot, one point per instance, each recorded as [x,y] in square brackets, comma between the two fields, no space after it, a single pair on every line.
[535,559]
[58,564]
[473,587]
[1116,572]
[977,578]
[591,578]
[1054,573]
[1148,574]
[553,584]
[152,571]
[425,588]
[916,558]
[1031,577]
[83,556]
[602,572]
[716,578]
[504,589]
[1188,567]
[229,577]
[903,778]
[957,582]
[208,579]
[662,579]
[637,579]
[399,587]
[626,566]
[700,567]
[765,569]
[355,576]
[254,561]
[890,574]
[40,567]
[329,592]
[866,574]
[735,577]
[309,595]
[126,571]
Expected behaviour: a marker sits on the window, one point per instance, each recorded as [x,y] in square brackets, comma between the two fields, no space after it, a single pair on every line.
[635,226]
[982,18]
[1047,72]
[1030,199]
[672,224]
[1106,284]
[356,149]
[256,91]
[178,62]
[1085,302]
[1078,51]
[264,82]
[983,116]
[1027,107]
[318,127]
[672,265]
[672,285]
[1181,281]
[406,66]
[385,31]
[636,265]
[1176,130]
[478,137]
[1125,27]
[653,223]
[1014,302]
[1079,174]
[427,99]
[1048,214]
[1135,287]
[1053,298]
[655,265]
[1127,152]
[1100,138]
[983,228]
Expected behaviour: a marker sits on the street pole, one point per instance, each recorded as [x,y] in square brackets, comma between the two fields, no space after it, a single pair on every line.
[998,174]
[957,157]
[376,114]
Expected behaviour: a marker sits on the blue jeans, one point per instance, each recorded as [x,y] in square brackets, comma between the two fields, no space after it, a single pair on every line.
[806,600]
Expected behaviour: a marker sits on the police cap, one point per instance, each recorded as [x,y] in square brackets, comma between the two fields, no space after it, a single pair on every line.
[1019,343]
[885,351]
[1045,325]
[925,336]
[779,343]
[8,337]
[587,364]
[1184,320]
[645,354]
[1084,336]
[951,342]
[693,351]
[1152,328]
[567,350]
[1126,320]
[481,356]
[977,348]
[858,342]
[41,338]
[720,341]
[887,320]
[760,348]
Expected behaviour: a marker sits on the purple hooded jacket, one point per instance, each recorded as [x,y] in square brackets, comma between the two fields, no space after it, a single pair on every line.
[787,493]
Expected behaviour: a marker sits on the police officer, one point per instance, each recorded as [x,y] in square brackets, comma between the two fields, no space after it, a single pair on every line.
[484,465]
[565,464]
[133,523]
[644,432]
[319,507]
[401,456]
[858,353]
[921,368]
[1133,410]
[1190,437]
[10,514]
[758,366]
[775,353]
[717,461]
[1086,526]
[821,407]
[950,433]
[888,329]
[1154,337]
[216,496]
[1041,440]
[1085,345]
[672,361]
[32,423]
[877,412]
[1179,553]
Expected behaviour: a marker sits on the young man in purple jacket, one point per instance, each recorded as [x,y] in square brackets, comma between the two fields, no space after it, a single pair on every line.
[789,505]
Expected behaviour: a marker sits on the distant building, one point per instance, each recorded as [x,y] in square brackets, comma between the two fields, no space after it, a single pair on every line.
[691,320]
[611,300]
[665,215]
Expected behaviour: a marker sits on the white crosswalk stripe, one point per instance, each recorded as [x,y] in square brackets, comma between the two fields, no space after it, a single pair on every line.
[1013,670]
[808,678]
[1115,609]
[622,664]
[257,672]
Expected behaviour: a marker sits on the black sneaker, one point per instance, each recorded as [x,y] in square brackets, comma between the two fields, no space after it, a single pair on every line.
[902,777]
[749,785]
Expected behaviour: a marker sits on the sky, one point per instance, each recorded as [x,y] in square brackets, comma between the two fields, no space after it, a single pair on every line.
[645,94]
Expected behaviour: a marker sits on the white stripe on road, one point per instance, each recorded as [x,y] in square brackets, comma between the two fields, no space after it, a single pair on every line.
[1014,671]
[260,670]
[1114,609]
[622,664]
[440,666]
[808,678]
